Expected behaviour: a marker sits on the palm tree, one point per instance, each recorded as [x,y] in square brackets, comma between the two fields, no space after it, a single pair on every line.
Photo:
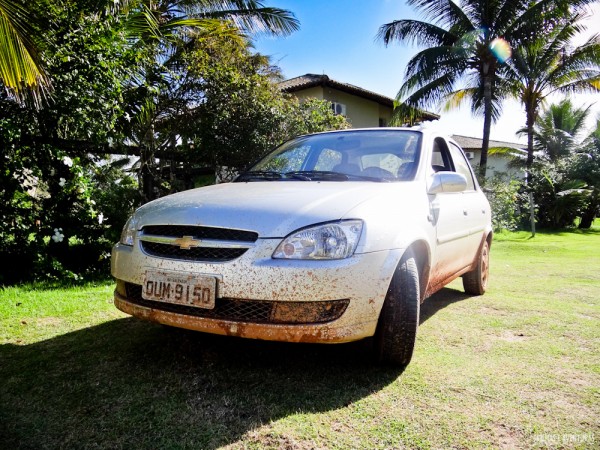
[546,65]
[467,43]
[557,130]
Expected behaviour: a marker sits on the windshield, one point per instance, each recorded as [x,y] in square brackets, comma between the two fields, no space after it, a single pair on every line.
[369,155]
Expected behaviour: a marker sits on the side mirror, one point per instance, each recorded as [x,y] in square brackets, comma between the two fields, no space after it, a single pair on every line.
[447,182]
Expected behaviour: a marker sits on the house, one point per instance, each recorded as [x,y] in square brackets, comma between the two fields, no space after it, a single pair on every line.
[366,109]
[362,108]
[499,157]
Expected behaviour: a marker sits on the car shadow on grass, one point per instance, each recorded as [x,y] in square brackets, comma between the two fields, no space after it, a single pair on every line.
[134,384]
[440,300]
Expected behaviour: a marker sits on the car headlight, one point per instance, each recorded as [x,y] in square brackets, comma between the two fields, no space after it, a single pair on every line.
[129,231]
[337,240]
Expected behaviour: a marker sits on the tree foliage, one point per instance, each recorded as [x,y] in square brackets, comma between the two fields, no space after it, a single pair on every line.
[174,85]
[565,177]
[548,64]
[54,219]
[465,47]
[558,131]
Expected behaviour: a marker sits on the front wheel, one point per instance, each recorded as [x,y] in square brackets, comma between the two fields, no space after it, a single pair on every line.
[475,282]
[399,318]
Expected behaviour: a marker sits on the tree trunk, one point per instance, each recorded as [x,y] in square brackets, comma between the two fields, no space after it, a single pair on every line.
[590,213]
[587,219]
[146,179]
[530,123]
[487,120]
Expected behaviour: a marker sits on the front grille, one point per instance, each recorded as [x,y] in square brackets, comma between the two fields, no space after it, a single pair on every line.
[218,234]
[191,254]
[225,244]
[253,311]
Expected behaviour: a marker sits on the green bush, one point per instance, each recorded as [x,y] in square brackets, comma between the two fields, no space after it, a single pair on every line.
[508,202]
[560,199]
[59,215]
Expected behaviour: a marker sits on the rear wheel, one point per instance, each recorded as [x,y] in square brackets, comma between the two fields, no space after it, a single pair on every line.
[475,282]
[399,318]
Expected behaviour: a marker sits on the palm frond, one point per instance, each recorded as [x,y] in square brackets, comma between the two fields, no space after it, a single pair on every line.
[20,69]
[434,62]
[415,32]
[429,94]
[249,15]
[456,99]
[143,23]
[445,13]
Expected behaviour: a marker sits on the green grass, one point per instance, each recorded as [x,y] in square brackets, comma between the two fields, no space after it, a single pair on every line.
[516,368]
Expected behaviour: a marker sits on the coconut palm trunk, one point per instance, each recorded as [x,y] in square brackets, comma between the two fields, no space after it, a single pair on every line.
[487,120]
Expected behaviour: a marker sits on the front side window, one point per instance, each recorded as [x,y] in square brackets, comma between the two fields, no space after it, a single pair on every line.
[462,166]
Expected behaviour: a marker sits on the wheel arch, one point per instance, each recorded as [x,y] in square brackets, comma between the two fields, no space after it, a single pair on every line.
[489,238]
[422,253]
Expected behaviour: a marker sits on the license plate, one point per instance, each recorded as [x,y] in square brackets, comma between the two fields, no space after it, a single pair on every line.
[180,288]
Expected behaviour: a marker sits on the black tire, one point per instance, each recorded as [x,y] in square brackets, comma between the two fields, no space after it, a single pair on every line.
[475,282]
[399,319]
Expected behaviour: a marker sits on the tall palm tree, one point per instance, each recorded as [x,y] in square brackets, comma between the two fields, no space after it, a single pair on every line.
[467,42]
[549,64]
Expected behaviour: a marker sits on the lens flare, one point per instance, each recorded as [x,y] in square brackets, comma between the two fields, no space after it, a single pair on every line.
[501,49]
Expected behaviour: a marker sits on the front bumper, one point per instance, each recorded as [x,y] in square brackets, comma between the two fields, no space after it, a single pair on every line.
[361,282]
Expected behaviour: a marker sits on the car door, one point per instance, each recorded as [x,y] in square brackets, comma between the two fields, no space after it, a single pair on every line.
[450,214]
[475,206]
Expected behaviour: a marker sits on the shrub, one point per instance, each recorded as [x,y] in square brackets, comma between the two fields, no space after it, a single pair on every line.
[559,198]
[508,203]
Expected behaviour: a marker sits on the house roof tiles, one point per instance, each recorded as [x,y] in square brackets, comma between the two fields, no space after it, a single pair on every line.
[467,143]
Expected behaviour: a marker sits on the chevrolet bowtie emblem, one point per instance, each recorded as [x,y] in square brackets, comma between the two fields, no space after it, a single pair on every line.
[187,242]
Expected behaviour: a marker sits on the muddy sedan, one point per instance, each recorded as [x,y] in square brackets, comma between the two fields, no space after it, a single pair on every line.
[332,237]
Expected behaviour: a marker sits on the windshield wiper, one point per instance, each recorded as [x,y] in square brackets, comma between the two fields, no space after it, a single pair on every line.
[304,175]
[323,175]
[259,175]
[366,178]
[317,175]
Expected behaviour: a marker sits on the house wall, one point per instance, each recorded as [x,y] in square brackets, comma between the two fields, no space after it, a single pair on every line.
[495,164]
[385,113]
[360,112]
[313,92]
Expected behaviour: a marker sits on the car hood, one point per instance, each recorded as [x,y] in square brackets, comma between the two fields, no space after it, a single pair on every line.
[272,209]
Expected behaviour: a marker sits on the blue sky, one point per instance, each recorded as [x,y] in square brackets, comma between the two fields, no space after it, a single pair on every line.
[337,38]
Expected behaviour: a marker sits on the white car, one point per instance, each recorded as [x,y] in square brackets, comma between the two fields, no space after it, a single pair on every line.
[332,237]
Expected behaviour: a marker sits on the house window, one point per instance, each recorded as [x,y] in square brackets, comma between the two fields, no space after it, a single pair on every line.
[382,122]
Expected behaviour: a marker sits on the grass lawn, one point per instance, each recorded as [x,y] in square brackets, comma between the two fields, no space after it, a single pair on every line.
[516,368]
